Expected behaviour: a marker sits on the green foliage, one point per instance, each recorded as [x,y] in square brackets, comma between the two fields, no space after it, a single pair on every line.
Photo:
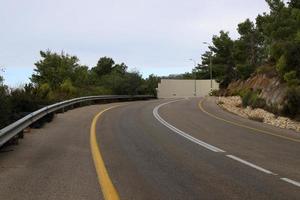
[281,65]
[54,69]
[202,71]
[233,59]
[104,66]
[291,78]
[245,71]
[25,100]
[248,48]
[251,98]
[292,106]
[59,77]
[294,4]
[280,29]
[80,76]
[270,45]
[67,89]
[5,111]
[151,83]
[223,60]
[215,93]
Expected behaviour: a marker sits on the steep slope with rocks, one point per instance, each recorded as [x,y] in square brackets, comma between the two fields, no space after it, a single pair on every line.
[271,89]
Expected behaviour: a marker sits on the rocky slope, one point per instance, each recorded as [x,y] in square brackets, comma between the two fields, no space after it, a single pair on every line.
[272,90]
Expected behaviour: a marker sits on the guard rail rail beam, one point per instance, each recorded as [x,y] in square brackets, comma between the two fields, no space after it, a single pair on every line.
[15,129]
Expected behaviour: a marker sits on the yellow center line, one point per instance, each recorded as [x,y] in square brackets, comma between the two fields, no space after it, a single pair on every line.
[108,189]
[244,126]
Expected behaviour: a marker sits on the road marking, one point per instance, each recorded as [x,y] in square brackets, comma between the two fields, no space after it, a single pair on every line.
[250,164]
[291,181]
[107,187]
[244,126]
[183,134]
[211,147]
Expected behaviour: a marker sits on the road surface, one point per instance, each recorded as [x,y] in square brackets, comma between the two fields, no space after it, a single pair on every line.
[158,149]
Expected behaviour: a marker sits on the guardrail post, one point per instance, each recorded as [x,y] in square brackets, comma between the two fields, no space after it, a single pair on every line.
[21,134]
[15,140]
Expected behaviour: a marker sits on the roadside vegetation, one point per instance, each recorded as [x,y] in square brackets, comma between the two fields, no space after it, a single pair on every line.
[269,45]
[58,77]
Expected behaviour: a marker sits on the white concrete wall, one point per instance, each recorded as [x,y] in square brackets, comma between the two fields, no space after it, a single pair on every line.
[171,88]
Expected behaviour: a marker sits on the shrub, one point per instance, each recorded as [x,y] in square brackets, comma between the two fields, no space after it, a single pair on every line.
[67,88]
[215,93]
[251,98]
[292,105]
[281,65]
[291,78]
[5,107]
[246,97]
[258,102]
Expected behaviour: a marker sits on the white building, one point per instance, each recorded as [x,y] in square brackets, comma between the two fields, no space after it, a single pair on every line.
[172,88]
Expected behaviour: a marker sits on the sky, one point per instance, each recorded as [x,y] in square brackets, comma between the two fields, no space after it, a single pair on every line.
[151,36]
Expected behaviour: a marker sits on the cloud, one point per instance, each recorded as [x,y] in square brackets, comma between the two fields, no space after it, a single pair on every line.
[157,36]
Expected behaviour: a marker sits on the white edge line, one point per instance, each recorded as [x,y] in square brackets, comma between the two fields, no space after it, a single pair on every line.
[250,164]
[291,181]
[211,147]
[183,134]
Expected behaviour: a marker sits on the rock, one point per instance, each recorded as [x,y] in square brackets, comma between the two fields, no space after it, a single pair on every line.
[233,104]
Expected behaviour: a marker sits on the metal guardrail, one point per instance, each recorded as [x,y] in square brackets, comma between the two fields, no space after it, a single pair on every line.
[13,130]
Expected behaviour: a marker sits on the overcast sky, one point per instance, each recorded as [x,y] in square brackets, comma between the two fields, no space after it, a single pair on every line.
[152,36]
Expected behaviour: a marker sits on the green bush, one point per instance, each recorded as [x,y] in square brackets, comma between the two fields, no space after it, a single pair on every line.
[5,107]
[291,78]
[67,89]
[215,93]
[292,105]
[246,97]
[251,98]
[25,100]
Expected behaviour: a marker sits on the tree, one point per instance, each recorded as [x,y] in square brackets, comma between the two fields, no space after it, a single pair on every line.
[104,66]
[250,44]
[248,49]
[281,31]
[275,5]
[1,80]
[294,4]
[1,77]
[54,69]
[223,59]
[133,84]
[151,83]
[5,107]
[120,68]
[81,77]
[202,71]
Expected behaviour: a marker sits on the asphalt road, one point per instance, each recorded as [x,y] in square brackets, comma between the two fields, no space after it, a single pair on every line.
[155,149]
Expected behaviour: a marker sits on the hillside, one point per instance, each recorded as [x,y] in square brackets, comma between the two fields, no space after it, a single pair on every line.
[263,64]
[271,89]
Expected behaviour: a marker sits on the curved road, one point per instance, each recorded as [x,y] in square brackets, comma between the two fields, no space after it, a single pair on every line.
[159,149]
